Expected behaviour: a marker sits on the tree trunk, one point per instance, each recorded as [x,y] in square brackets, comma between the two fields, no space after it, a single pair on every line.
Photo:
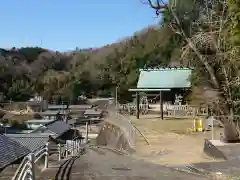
[231,134]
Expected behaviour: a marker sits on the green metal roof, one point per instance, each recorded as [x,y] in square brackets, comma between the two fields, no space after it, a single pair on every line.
[164,78]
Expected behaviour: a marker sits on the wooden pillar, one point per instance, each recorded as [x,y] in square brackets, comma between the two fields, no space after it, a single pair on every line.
[86,133]
[137,101]
[161,104]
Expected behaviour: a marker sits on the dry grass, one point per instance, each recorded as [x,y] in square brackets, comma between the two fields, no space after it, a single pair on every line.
[15,106]
[169,141]
[20,118]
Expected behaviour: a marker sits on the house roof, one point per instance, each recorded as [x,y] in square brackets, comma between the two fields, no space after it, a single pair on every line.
[55,106]
[51,113]
[72,121]
[39,121]
[58,127]
[32,141]
[10,151]
[92,112]
[80,106]
[164,78]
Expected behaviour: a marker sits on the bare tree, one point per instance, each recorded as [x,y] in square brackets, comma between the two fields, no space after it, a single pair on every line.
[208,44]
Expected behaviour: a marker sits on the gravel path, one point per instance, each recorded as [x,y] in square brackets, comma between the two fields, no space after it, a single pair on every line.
[168,147]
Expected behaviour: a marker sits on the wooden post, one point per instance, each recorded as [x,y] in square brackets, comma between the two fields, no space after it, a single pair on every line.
[161,104]
[116,99]
[137,101]
[46,156]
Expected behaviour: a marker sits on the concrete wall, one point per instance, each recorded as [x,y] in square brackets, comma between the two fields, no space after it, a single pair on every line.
[213,151]
[113,137]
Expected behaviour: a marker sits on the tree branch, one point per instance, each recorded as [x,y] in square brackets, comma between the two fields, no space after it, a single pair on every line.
[158,5]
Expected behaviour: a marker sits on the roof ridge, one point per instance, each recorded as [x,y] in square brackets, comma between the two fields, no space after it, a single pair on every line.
[165,69]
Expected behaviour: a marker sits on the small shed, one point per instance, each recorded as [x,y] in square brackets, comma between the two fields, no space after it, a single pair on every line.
[162,79]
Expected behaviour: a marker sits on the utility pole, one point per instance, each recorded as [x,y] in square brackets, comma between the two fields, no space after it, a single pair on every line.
[116,94]
[116,98]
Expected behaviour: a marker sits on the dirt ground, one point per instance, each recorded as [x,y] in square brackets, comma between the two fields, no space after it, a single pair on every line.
[170,144]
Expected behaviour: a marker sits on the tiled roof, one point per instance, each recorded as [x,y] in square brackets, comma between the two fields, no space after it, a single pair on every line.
[58,127]
[92,112]
[32,141]
[81,106]
[54,106]
[164,78]
[51,113]
[40,121]
[10,151]
[72,121]
[41,129]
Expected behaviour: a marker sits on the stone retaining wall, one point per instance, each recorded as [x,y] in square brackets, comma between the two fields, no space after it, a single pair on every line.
[112,136]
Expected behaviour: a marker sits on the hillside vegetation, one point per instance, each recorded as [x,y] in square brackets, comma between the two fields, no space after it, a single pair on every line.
[201,34]
[93,72]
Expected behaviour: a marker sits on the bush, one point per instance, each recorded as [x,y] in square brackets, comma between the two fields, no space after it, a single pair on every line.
[17,124]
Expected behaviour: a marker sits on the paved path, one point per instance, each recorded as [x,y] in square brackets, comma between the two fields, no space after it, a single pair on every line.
[230,167]
[105,164]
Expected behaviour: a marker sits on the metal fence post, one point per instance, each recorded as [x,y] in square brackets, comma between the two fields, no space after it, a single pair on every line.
[59,152]
[86,135]
[75,147]
[32,166]
[67,149]
[46,155]
[72,147]
[78,143]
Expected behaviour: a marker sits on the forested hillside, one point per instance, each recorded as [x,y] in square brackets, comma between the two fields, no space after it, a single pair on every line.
[201,34]
[93,72]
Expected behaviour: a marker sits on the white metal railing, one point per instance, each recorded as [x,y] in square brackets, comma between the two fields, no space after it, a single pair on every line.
[131,108]
[185,110]
[172,110]
[26,169]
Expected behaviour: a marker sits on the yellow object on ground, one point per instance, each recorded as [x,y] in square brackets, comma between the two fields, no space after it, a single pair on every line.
[198,125]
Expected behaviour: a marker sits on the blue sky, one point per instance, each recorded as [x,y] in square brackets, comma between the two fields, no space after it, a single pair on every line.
[64,25]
